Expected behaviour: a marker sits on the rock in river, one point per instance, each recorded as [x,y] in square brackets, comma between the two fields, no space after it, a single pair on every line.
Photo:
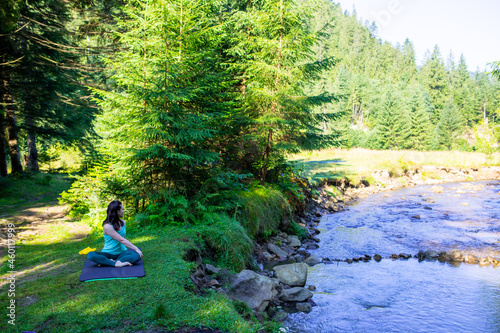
[296,294]
[294,275]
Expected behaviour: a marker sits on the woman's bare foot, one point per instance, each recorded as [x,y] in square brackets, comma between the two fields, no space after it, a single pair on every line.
[122,264]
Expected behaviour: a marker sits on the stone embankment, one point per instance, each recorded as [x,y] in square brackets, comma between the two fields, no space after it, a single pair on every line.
[278,281]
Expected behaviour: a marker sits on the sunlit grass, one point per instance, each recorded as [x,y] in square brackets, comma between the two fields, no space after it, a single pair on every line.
[334,163]
[49,296]
[48,273]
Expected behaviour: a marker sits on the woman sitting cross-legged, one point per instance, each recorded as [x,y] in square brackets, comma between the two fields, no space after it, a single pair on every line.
[115,252]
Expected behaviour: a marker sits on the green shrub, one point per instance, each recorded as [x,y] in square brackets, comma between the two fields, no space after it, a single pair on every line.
[295,229]
[90,193]
[263,210]
[370,179]
[430,174]
[229,241]
[400,168]
[45,181]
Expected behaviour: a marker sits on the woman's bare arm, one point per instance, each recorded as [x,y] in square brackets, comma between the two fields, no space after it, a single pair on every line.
[113,234]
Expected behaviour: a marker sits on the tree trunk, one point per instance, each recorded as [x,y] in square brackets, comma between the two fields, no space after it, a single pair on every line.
[32,164]
[267,152]
[32,158]
[11,124]
[3,146]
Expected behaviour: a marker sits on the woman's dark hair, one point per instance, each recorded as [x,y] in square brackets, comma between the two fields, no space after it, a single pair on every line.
[113,218]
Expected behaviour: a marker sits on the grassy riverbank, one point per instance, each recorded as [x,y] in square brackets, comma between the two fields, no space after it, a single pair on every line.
[49,296]
[335,163]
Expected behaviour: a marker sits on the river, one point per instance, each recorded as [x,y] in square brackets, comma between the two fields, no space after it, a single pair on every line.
[408,295]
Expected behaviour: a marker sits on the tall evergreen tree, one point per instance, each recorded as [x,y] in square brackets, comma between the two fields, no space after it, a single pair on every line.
[393,124]
[278,59]
[41,75]
[433,76]
[419,110]
[168,98]
[449,127]
[408,66]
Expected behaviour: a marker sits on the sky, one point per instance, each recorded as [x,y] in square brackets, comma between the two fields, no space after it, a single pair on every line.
[468,27]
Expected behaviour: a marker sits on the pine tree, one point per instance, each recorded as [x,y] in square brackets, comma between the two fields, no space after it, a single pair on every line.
[393,124]
[41,75]
[433,77]
[278,59]
[449,127]
[408,65]
[419,110]
[168,99]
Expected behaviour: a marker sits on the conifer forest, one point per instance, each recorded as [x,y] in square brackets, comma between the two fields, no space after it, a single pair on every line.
[182,101]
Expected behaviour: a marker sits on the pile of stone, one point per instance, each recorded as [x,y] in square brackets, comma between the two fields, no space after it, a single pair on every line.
[269,296]
[456,256]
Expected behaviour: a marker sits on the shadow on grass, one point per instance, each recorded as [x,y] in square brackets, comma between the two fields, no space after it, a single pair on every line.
[316,171]
[31,191]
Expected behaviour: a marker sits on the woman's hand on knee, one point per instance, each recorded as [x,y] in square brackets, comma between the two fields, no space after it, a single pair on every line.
[139,251]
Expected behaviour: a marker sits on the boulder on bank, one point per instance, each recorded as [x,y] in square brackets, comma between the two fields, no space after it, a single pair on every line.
[275,249]
[294,241]
[296,294]
[254,289]
[294,275]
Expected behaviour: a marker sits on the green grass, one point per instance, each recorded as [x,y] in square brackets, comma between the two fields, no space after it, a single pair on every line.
[50,298]
[263,210]
[50,272]
[30,191]
[352,163]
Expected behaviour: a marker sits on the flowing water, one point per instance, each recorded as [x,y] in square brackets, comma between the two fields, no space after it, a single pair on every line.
[408,295]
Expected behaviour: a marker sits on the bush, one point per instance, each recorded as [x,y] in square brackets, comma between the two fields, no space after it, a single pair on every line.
[90,194]
[295,229]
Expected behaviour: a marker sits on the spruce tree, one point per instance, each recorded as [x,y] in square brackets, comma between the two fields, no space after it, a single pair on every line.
[393,124]
[419,110]
[168,99]
[449,127]
[278,59]
[433,77]
[41,74]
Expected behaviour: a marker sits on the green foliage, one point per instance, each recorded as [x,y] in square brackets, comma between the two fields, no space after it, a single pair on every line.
[90,193]
[449,127]
[169,96]
[229,241]
[485,139]
[495,65]
[263,210]
[242,308]
[292,186]
[430,174]
[217,195]
[370,179]
[393,127]
[295,229]
[401,167]
[272,52]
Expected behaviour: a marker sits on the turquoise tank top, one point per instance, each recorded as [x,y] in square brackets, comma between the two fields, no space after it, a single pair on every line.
[112,245]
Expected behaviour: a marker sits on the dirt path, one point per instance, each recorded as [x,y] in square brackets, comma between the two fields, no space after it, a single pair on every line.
[33,223]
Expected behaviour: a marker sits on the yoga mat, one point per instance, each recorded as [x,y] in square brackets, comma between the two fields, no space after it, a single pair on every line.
[92,272]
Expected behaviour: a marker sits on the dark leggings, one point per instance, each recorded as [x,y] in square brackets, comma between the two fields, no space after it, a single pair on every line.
[103,258]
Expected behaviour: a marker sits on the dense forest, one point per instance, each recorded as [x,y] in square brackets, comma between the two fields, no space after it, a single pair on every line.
[167,97]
